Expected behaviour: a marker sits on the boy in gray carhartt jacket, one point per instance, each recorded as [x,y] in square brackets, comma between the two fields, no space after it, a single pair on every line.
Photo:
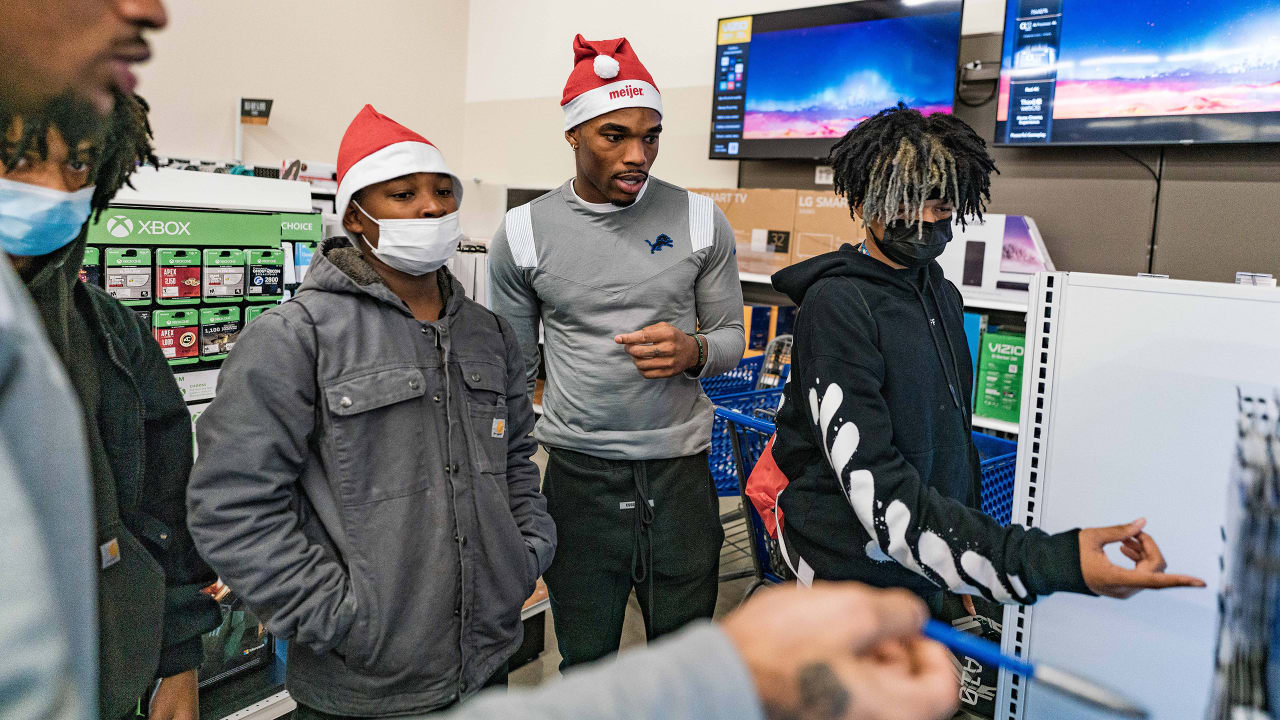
[364,478]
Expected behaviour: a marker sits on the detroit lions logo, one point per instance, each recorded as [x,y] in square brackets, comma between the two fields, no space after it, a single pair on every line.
[659,243]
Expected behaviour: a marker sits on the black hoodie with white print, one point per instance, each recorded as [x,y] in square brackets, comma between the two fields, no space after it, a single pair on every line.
[874,435]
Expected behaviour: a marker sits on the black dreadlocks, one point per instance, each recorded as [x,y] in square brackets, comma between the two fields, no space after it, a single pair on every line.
[891,163]
[120,141]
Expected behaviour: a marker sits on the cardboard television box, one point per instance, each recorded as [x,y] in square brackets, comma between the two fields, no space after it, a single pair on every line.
[822,224]
[762,222]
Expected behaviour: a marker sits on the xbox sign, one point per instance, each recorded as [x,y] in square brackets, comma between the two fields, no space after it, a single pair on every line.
[119,226]
[147,226]
[123,226]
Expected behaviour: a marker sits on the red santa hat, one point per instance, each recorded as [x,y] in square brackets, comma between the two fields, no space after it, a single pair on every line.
[606,76]
[376,148]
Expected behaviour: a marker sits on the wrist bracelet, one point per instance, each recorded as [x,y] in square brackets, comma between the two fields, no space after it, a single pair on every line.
[702,350]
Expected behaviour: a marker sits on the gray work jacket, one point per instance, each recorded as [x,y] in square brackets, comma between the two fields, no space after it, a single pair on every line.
[365,482]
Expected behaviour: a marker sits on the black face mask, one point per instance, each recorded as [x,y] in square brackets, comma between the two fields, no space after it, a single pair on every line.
[902,245]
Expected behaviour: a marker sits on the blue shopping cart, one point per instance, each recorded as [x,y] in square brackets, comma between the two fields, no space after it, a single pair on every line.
[748,435]
[753,388]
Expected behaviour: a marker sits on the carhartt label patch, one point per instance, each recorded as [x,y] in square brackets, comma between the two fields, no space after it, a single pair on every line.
[499,427]
[109,553]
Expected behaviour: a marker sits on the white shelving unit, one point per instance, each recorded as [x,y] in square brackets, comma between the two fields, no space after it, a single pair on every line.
[993,304]
[192,190]
[997,425]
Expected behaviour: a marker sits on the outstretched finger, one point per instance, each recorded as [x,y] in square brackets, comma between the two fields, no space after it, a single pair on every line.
[1155,580]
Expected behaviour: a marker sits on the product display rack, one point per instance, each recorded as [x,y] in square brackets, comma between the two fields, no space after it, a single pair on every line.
[201,239]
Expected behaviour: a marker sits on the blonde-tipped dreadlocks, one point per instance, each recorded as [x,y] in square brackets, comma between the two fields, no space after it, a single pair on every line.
[120,140]
[893,162]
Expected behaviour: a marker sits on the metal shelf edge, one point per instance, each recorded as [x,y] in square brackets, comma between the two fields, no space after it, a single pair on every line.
[990,424]
[271,708]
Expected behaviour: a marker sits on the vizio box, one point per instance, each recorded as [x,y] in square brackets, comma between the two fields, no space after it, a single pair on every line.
[999,394]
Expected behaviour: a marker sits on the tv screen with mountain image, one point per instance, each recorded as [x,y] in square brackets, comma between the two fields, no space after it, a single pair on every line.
[789,84]
[1140,72]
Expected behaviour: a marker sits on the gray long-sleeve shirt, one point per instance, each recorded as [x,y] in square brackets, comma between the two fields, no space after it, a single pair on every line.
[588,273]
[693,674]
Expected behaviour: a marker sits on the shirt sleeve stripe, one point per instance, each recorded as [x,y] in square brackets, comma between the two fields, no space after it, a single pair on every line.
[519,226]
[701,221]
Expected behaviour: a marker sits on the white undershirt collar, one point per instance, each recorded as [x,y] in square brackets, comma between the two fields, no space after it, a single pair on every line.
[605,207]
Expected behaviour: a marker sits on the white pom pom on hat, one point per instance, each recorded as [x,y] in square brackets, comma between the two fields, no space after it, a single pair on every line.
[606,67]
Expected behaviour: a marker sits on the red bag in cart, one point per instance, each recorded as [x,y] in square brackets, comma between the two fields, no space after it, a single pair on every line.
[764,485]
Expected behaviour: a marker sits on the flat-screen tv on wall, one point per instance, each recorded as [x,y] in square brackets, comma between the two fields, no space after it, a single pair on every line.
[1143,72]
[789,84]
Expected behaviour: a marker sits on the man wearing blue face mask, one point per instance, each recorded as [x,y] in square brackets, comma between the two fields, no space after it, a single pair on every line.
[59,165]
[365,478]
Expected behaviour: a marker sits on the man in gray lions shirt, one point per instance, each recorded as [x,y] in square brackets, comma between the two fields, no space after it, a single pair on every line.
[636,285]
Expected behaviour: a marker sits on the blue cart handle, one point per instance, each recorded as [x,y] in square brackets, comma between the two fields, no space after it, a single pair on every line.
[738,418]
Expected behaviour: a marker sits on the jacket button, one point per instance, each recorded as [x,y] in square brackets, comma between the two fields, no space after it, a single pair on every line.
[475,377]
[436,398]
[345,401]
[455,467]
[463,541]
[413,384]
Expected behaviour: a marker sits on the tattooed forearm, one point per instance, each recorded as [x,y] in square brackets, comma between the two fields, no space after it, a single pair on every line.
[819,696]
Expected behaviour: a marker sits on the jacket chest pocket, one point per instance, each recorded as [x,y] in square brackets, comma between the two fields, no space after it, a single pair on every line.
[378,434]
[487,414]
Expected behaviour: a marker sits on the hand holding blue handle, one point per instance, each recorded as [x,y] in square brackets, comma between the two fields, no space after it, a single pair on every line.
[987,652]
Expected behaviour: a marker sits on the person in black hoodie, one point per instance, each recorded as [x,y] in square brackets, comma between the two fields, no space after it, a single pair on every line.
[874,432]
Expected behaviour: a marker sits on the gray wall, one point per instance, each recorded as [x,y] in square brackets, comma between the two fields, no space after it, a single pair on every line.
[1219,205]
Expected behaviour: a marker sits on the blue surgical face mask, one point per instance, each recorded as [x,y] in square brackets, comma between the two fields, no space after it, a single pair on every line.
[37,221]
